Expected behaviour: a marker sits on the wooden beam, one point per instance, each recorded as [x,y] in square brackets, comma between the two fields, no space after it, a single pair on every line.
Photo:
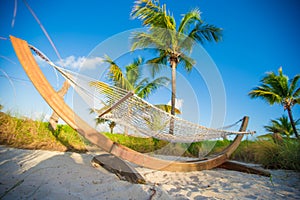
[119,167]
[129,94]
[236,166]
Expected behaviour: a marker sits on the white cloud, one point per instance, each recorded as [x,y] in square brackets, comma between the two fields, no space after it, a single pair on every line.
[178,104]
[72,62]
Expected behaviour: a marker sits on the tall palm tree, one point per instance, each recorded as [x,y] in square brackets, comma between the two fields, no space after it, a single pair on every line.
[278,89]
[281,126]
[172,43]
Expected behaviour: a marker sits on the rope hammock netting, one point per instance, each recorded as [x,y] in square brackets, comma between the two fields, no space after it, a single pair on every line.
[127,109]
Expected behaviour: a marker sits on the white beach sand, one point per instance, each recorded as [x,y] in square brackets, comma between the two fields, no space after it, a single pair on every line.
[28,174]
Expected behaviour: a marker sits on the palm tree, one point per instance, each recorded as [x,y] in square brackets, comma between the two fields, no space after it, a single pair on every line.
[132,79]
[99,120]
[277,89]
[281,126]
[173,44]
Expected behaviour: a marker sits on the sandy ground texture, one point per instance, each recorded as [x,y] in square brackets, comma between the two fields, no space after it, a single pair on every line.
[36,174]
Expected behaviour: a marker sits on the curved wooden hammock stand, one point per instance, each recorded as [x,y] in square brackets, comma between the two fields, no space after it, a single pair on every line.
[57,103]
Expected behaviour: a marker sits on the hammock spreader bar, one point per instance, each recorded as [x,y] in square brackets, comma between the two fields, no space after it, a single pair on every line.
[129,94]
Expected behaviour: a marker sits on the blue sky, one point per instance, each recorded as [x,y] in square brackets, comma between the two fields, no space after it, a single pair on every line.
[259,36]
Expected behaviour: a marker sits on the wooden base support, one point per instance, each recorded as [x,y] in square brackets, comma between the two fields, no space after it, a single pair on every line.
[119,167]
[233,165]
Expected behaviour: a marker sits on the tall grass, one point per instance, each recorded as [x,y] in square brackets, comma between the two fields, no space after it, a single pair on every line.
[278,155]
[29,134]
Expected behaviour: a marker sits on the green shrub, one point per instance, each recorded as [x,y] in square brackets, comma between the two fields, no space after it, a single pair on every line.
[245,152]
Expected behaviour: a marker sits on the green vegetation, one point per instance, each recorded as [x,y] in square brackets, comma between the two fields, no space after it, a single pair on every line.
[280,127]
[132,79]
[274,155]
[143,145]
[29,134]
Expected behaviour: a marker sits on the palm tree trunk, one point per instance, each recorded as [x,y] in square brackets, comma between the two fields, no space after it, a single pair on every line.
[173,97]
[292,122]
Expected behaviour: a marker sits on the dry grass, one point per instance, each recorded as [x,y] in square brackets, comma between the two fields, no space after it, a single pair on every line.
[28,134]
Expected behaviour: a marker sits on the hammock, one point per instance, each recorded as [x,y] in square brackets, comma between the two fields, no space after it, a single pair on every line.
[58,104]
[127,109]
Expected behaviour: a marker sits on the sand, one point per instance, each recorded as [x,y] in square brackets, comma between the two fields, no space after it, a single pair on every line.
[37,174]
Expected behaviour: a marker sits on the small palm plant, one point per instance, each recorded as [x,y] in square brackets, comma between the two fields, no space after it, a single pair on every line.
[281,126]
[277,89]
[99,120]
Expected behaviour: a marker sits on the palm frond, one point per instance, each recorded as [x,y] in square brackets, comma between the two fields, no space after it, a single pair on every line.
[144,9]
[146,40]
[294,91]
[187,62]
[140,85]
[265,94]
[157,63]
[206,32]
[297,101]
[116,75]
[152,14]
[134,71]
[152,87]
[186,43]
[189,19]
[281,125]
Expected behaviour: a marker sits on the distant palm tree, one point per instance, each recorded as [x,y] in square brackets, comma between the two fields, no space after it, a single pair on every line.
[132,79]
[277,89]
[281,126]
[1,107]
[172,43]
[99,120]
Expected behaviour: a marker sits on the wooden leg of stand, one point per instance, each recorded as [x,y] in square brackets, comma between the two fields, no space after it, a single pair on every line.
[232,165]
